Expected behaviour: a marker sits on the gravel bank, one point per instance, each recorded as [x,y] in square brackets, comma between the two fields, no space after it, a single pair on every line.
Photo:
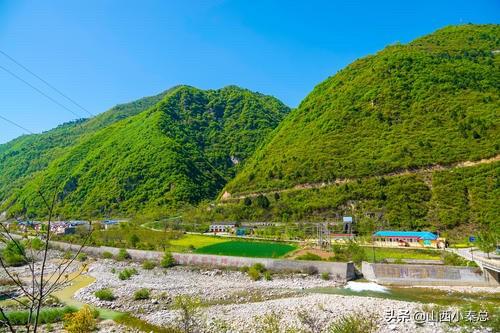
[234,303]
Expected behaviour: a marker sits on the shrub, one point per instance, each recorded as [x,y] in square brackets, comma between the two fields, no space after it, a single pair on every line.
[81,257]
[354,323]
[68,255]
[309,256]
[188,307]
[107,255]
[254,274]
[14,254]
[81,321]
[244,269]
[325,276]
[268,323]
[148,264]
[141,294]
[104,294]
[127,273]
[259,267]
[113,270]
[451,259]
[123,255]
[36,244]
[134,239]
[262,201]
[167,260]
[268,276]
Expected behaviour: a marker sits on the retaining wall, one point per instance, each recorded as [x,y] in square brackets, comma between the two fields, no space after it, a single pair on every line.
[339,270]
[398,274]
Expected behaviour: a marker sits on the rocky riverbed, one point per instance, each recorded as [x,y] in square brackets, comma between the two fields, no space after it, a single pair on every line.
[232,302]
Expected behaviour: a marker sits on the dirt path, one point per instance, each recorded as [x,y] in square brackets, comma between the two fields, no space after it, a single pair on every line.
[226,197]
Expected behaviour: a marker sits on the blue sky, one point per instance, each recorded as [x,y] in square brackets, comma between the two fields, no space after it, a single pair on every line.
[101,53]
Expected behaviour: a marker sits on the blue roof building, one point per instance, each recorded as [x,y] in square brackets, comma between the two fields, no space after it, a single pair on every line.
[424,235]
[408,239]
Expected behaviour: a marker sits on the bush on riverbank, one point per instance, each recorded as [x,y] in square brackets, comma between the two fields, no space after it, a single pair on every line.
[148,264]
[84,320]
[141,294]
[167,260]
[105,294]
[354,323]
[127,273]
[123,255]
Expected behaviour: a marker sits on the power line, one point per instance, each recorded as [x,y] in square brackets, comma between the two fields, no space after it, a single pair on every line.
[47,83]
[40,92]
[16,124]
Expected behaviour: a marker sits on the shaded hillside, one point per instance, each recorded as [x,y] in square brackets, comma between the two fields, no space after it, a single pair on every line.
[434,100]
[178,151]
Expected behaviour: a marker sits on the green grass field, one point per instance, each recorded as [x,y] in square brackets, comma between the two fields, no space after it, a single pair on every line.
[248,249]
[198,241]
[390,253]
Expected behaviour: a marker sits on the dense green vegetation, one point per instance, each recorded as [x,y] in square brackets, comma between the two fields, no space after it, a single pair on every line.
[21,158]
[456,203]
[47,316]
[13,254]
[434,100]
[248,249]
[181,150]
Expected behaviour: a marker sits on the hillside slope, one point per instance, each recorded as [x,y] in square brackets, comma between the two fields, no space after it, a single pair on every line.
[181,150]
[24,156]
[379,140]
[435,100]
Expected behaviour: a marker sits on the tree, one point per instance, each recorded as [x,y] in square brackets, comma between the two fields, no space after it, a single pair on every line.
[14,254]
[487,242]
[247,201]
[188,307]
[40,283]
[262,201]
[134,239]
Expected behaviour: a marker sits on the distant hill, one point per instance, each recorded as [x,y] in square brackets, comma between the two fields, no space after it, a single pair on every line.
[21,158]
[163,151]
[434,101]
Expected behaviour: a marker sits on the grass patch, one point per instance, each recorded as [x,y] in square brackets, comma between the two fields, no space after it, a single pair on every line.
[143,326]
[198,241]
[392,253]
[248,249]
[47,315]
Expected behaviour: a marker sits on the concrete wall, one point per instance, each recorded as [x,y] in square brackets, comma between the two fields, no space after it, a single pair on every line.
[397,274]
[338,270]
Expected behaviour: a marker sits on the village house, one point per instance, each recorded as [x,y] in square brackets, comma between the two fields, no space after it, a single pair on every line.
[222,227]
[408,239]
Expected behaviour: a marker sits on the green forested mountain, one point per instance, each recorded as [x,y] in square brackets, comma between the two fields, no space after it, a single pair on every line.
[24,156]
[180,150]
[433,101]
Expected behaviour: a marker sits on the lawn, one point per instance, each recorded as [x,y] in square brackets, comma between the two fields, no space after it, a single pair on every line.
[198,241]
[248,249]
[390,253]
